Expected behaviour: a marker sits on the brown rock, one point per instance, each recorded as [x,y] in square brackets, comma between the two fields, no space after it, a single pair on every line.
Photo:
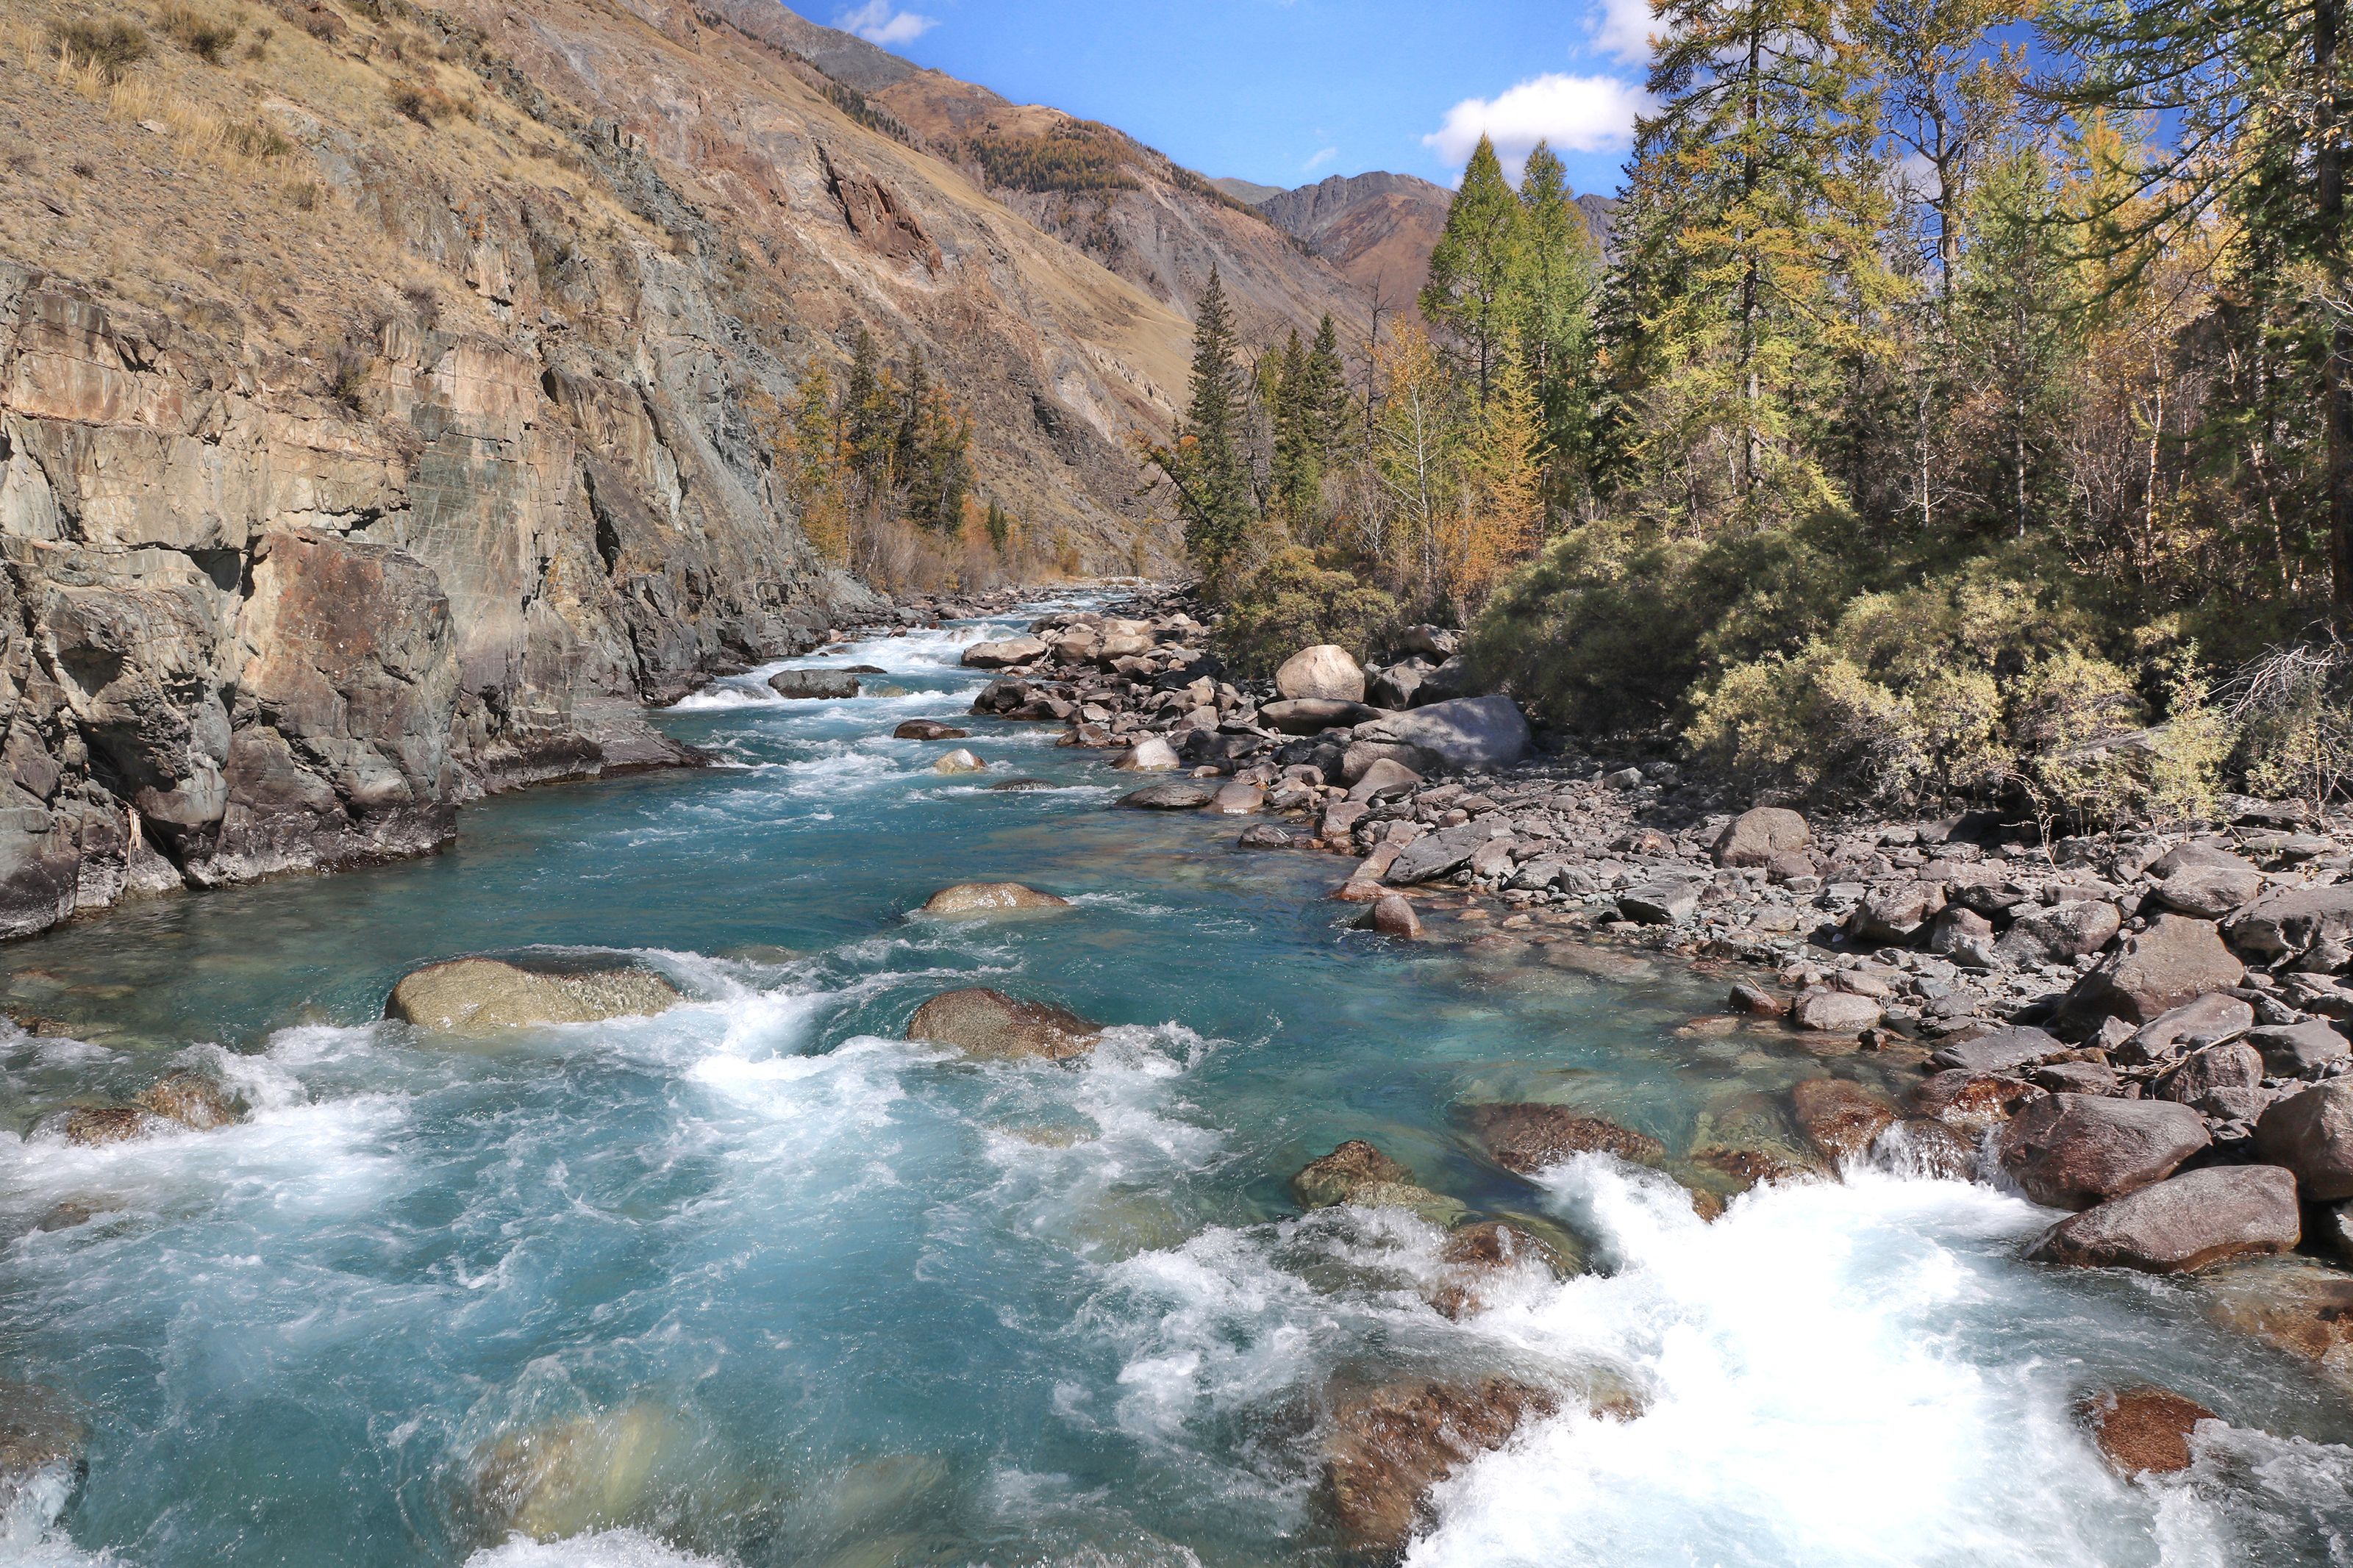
[2184,1223]
[481,996]
[928,730]
[2302,1307]
[1835,1011]
[2142,1429]
[91,1125]
[1004,654]
[1893,913]
[1389,1446]
[994,1026]
[1356,1173]
[1474,1254]
[2176,960]
[1841,1118]
[2311,1133]
[1528,1138]
[1760,832]
[190,1100]
[990,899]
[1971,1101]
[1923,1146]
[2188,1027]
[2072,1151]
[1392,915]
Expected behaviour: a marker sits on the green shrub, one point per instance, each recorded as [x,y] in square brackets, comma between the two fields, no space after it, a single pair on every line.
[1288,602]
[112,46]
[204,37]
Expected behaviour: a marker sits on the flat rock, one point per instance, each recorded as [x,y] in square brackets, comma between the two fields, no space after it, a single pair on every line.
[2193,1026]
[1669,901]
[1381,778]
[2209,892]
[1835,1013]
[1436,855]
[1174,795]
[2183,1223]
[927,730]
[2299,1050]
[2002,1050]
[1358,1174]
[2178,959]
[1758,834]
[2311,1133]
[2142,1430]
[1004,654]
[1326,671]
[990,899]
[481,996]
[1389,1446]
[1528,1138]
[1463,733]
[2061,932]
[994,1026]
[813,683]
[1313,715]
[2072,1151]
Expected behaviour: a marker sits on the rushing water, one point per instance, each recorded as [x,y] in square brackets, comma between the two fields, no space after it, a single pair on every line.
[787,1289]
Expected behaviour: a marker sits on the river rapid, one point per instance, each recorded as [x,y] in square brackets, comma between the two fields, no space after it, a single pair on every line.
[795,1292]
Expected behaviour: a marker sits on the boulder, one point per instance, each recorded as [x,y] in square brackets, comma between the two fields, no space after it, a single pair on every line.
[1001,695]
[2061,932]
[2304,1308]
[2002,1050]
[1971,1102]
[1760,832]
[2077,1077]
[1528,1138]
[1325,672]
[990,898]
[2311,1133]
[42,1442]
[2299,1050]
[2142,1430]
[1841,1118]
[1439,854]
[189,1099]
[1475,1254]
[1238,799]
[2072,1151]
[2178,959]
[1175,795]
[1465,732]
[1313,715]
[1358,1174]
[93,1126]
[1389,1446]
[562,1479]
[1270,835]
[960,761]
[1395,687]
[1392,915]
[813,683]
[2183,1223]
[1835,1013]
[928,730]
[1961,934]
[2193,1026]
[1150,755]
[990,1025]
[1004,654]
[2288,923]
[1666,901]
[2209,892]
[481,996]
[2233,1065]
[1891,913]
[1381,778]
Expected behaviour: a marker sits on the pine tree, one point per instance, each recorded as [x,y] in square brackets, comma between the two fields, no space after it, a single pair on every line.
[1210,464]
[809,449]
[1473,265]
[1297,479]
[871,415]
[1558,283]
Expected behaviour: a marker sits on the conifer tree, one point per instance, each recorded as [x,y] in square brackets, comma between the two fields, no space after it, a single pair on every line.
[1473,265]
[1210,463]
[1505,473]
[1558,283]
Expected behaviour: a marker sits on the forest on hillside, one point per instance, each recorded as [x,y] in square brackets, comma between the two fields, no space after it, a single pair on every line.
[1964,413]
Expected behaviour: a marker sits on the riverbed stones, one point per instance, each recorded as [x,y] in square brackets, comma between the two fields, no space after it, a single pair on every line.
[1313,715]
[1175,795]
[990,1025]
[990,899]
[479,996]
[1758,834]
[2311,1133]
[1462,732]
[2184,1223]
[2178,959]
[2004,1050]
[1436,855]
[2300,1307]
[1004,652]
[1236,799]
[1392,915]
[2301,1049]
[1892,914]
[1662,901]
[2208,1020]
[2209,892]
[2143,1430]
[1528,1138]
[1841,1118]
[1358,1173]
[2072,1151]
[2061,933]
[1150,755]
[811,685]
[1325,672]
[2288,924]
[1381,779]
[927,730]
[42,1441]
[960,761]
[1830,1012]
[560,1479]
[1389,1445]
[192,1099]
[1475,1257]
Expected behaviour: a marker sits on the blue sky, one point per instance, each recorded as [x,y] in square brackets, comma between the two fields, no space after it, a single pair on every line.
[1288,91]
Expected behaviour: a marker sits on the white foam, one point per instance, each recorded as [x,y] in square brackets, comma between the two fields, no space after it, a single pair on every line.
[603,1549]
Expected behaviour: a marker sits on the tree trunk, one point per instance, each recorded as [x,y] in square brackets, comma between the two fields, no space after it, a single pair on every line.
[2337,373]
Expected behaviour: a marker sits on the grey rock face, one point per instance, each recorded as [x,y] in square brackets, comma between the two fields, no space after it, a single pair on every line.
[1758,834]
[2299,1050]
[2290,922]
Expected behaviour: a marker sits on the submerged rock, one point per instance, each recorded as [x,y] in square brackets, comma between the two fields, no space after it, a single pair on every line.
[566,1477]
[191,1100]
[93,1125]
[1356,1173]
[928,730]
[2302,1307]
[990,898]
[1171,796]
[2184,1223]
[1474,1256]
[42,1443]
[997,1027]
[1389,1446]
[1392,915]
[1528,1138]
[482,995]
[2141,1430]
[1840,1118]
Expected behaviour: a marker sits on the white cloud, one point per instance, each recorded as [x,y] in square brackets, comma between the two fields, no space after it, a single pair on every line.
[1623,30]
[1323,156]
[1575,113]
[877,22]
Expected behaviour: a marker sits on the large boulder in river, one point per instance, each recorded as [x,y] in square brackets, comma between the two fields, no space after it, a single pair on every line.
[1005,653]
[1313,715]
[2311,1133]
[1176,795]
[1466,732]
[963,760]
[2289,922]
[2183,1223]
[1758,834]
[483,996]
[990,1025]
[2142,1430]
[2176,959]
[1325,670]
[990,899]
[1389,1446]
[1841,1118]
[813,683]
[564,1479]
[927,730]
[1528,1138]
[1152,754]
[2072,1151]
[1355,1173]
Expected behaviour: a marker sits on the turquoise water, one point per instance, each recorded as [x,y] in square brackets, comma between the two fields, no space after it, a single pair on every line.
[776,1288]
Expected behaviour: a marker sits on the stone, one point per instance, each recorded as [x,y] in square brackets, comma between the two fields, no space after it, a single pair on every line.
[994,1026]
[1755,1001]
[1971,1102]
[2184,1223]
[2288,923]
[2233,1065]
[1002,695]
[2072,1151]
[189,1099]
[2002,1050]
[1392,915]
[1150,755]
[2304,1309]
[2178,959]
[1236,799]
[1475,1254]
[1463,733]
[2311,1133]
[1893,913]
[1175,795]
[1016,786]
[1835,1013]
[1004,654]
[562,1479]
[1528,1138]
[1387,1447]
[2299,1050]
[2194,1025]
[959,761]
[1962,934]
[42,1439]
[2059,933]
[2077,1077]
[1760,832]
[1359,1175]
[1269,836]
[813,684]
[927,730]
[1325,670]
[1382,778]
[1313,715]
[1666,901]
[1395,687]
[1841,1118]
[1435,855]
[94,1126]
[482,996]
[2143,1430]
[990,899]
[1924,1146]
[2209,892]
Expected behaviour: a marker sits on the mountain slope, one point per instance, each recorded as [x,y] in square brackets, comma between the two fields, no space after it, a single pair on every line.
[1378,228]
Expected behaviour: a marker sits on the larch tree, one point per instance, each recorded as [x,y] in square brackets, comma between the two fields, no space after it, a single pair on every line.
[1559,282]
[1476,263]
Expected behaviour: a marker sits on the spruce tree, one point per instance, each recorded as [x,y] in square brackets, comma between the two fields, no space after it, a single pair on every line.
[1559,280]
[1473,265]
[1210,464]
